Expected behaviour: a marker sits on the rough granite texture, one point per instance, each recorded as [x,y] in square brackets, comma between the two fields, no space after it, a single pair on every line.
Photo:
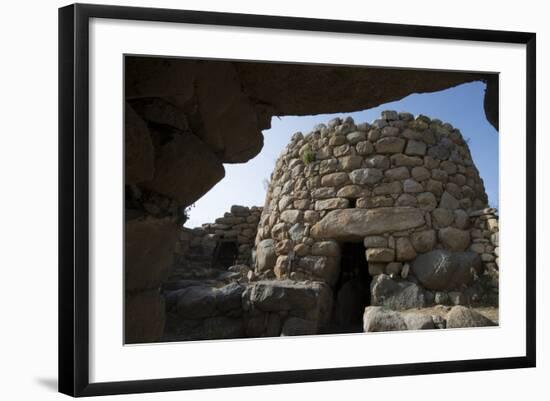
[402,185]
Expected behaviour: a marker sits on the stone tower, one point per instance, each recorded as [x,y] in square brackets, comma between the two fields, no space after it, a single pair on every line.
[393,212]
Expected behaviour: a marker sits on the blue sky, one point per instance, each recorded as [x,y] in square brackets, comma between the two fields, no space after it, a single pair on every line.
[461,106]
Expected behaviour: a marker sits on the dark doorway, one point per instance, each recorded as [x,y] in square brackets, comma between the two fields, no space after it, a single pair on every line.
[352,291]
[225,255]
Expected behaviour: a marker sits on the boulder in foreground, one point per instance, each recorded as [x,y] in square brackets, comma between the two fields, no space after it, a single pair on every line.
[461,316]
[377,319]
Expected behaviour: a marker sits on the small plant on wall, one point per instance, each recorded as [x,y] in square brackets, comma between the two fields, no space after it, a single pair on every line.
[308,156]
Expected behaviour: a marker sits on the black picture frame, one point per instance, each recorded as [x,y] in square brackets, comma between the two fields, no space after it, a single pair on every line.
[74,198]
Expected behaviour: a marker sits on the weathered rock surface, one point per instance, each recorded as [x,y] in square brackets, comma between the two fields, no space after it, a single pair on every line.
[287,295]
[358,223]
[325,248]
[366,176]
[149,241]
[418,321]
[293,89]
[443,270]
[396,294]
[202,301]
[377,319]
[454,239]
[185,169]
[461,316]
[423,241]
[139,162]
[380,254]
[265,255]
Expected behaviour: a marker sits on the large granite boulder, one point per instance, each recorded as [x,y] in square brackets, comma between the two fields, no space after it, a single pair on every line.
[280,295]
[265,255]
[461,316]
[396,294]
[444,270]
[418,321]
[454,239]
[207,95]
[157,110]
[323,268]
[196,302]
[229,297]
[185,169]
[203,301]
[139,162]
[377,318]
[305,300]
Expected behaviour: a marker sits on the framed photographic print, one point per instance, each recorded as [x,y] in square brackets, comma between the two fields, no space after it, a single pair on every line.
[292,197]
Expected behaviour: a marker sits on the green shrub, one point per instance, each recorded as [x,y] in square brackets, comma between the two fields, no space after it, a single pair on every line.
[308,156]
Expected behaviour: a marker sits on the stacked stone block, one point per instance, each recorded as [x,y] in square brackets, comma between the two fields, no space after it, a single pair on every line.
[404,186]
[196,247]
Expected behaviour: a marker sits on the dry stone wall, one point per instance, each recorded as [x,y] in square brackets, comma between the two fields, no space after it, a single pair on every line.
[406,187]
[226,242]
[402,188]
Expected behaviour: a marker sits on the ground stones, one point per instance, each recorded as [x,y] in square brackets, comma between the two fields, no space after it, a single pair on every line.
[396,294]
[460,316]
[377,318]
[417,321]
